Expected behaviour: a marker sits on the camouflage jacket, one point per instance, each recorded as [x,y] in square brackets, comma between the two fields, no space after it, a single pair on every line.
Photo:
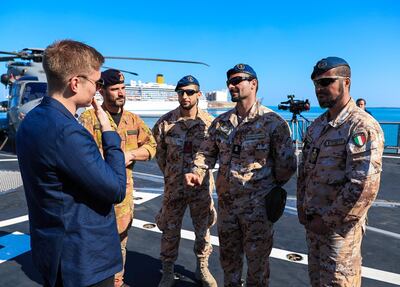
[254,155]
[134,133]
[178,140]
[340,170]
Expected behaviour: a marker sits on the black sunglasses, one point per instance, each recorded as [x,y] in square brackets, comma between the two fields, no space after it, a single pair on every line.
[188,92]
[236,80]
[326,81]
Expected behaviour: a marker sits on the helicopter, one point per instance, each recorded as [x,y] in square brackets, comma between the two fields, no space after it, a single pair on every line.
[27,84]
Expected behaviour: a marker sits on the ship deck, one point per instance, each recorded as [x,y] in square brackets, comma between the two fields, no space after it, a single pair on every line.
[380,249]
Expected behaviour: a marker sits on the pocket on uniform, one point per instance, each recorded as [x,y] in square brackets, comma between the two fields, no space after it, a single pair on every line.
[131,139]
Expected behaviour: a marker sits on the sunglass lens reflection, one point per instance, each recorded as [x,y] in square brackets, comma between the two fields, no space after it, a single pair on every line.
[325,82]
[188,92]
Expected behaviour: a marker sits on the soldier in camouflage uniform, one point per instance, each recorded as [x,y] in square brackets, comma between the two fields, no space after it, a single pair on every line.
[338,178]
[255,153]
[137,143]
[179,134]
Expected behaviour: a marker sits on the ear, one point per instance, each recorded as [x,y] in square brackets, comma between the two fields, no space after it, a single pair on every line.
[73,84]
[199,95]
[254,84]
[347,82]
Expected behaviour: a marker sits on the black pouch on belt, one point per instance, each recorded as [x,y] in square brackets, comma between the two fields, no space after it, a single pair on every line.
[275,202]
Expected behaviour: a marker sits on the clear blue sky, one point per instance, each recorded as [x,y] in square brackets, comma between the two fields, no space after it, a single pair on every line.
[282,42]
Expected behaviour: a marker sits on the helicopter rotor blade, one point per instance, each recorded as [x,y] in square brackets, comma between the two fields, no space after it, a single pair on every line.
[6,59]
[132,73]
[157,60]
[9,53]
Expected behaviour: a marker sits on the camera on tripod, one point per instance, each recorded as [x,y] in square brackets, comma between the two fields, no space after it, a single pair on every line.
[294,106]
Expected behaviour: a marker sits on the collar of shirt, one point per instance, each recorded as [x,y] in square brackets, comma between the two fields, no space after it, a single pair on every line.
[176,115]
[253,113]
[342,116]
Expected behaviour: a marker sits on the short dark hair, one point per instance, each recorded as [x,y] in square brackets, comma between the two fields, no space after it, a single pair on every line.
[359,100]
[343,71]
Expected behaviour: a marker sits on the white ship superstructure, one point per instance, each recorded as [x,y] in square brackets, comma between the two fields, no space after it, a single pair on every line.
[153,99]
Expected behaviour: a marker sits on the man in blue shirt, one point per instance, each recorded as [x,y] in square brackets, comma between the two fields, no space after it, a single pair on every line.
[69,187]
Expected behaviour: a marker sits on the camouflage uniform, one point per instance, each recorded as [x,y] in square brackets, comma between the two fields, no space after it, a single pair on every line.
[338,180]
[134,133]
[178,139]
[254,155]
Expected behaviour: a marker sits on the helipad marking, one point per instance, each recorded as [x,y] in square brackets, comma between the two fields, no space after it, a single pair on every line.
[382,203]
[7,154]
[391,156]
[148,176]
[18,243]
[142,197]
[13,221]
[14,244]
[159,191]
[367,272]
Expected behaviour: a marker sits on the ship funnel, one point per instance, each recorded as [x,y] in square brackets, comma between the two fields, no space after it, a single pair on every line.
[160,79]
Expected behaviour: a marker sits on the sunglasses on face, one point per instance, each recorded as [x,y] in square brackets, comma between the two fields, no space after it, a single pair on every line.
[236,80]
[98,84]
[326,81]
[188,92]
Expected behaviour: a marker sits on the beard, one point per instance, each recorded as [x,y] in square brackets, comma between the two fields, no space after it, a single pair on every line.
[118,103]
[236,96]
[326,101]
[188,106]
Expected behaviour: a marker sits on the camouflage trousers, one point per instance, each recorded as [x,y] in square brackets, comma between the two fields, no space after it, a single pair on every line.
[244,229]
[124,223]
[169,221]
[334,260]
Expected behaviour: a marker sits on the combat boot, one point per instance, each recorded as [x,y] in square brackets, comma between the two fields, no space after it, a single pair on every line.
[168,277]
[203,274]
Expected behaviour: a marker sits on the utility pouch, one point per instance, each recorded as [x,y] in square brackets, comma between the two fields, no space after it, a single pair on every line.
[275,202]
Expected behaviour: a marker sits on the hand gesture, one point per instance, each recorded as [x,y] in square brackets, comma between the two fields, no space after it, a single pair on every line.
[192,179]
[105,124]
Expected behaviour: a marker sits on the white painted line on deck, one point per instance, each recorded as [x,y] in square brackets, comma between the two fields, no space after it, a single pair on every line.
[7,154]
[13,221]
[149,189]
[148,176]
[370,273]
[391,156]
[7,160]
[141,197]
[384,232]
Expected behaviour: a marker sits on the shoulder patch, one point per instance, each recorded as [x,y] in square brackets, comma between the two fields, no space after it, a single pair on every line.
[359,139]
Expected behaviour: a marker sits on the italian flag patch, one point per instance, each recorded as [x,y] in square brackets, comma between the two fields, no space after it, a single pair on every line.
[359,139]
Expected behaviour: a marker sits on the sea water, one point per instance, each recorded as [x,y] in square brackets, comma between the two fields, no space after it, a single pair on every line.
[389,118]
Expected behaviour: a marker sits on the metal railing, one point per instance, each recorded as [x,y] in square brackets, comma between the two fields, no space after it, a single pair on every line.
[391,131]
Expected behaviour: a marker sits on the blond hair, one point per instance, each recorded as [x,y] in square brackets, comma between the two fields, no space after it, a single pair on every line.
[67,58]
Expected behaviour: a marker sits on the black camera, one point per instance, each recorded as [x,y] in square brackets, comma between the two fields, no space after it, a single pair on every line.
[294,106]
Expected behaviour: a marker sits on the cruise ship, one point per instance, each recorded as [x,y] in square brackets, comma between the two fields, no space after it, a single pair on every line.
[154,99]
